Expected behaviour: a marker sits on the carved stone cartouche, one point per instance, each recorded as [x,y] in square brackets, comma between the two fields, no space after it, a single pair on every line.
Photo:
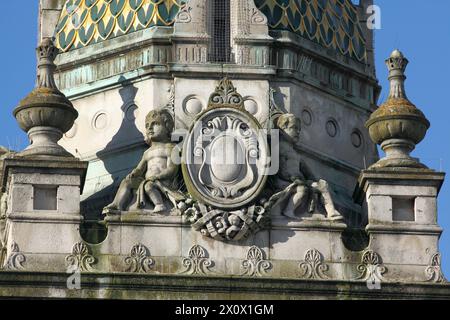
[225,162]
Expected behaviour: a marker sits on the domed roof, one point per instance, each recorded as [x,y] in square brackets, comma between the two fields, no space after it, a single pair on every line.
[331,23]
[83,22]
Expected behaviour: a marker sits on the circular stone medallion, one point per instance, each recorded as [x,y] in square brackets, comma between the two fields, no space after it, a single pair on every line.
[225,158]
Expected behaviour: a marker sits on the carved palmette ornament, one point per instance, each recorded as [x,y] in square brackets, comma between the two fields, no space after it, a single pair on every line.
[80,259]
[371,268]
[226,95]
[197,263]
[225,165]
[15,259]
[255,265]
[434,271]
[139,260]
[313,266]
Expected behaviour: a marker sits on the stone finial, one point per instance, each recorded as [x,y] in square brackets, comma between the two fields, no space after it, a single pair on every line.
[45,114]
[46,55]
[397,125]
[396,65]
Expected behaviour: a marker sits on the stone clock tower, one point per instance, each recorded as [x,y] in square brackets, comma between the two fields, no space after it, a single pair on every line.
[203,144]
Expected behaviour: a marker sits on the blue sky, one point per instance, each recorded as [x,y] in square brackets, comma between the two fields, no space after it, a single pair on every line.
[421,29]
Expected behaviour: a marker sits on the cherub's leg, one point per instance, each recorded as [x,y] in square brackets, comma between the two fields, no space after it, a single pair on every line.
[155,196]
[298,197]
[122,197]
[323,188]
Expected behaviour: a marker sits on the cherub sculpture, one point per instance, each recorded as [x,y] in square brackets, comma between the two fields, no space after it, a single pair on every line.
[295,180]
[155,177]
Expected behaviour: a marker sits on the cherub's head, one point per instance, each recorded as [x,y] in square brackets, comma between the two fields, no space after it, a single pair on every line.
[290,124]
[159,126]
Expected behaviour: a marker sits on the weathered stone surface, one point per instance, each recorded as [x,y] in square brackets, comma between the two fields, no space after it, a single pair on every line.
[132,286]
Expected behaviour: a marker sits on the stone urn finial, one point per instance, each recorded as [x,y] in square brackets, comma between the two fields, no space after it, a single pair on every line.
[397,125]
[45,114]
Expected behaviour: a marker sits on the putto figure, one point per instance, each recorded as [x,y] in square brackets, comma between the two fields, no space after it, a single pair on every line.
[299,193]
[154,181]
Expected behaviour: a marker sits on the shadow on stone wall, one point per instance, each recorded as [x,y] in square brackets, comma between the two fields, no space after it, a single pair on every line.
[119,158]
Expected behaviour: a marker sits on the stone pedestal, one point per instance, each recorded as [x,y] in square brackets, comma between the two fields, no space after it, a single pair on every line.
[402,220]
[43,211]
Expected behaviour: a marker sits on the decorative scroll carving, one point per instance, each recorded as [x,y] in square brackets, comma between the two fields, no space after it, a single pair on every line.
[197,262]
[80,259]
[274,109]
[434,271]
[257,17]
[15,258]
[371,267]
[170,107]
[226,95]
[139,260]
[255,265]
[184,15]
[313,266]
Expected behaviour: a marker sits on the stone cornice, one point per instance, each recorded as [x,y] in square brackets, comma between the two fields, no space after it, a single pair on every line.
[151,286]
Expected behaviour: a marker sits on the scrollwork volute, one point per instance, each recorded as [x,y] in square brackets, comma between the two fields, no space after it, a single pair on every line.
[15,259]
[226,95]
